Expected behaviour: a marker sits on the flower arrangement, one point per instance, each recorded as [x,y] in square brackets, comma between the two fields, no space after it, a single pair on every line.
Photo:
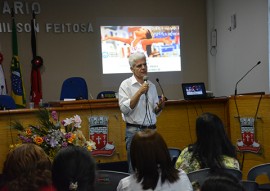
[52,134]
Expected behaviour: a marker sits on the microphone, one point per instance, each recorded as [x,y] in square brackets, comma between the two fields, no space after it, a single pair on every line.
[161,89]
[145,78]
[235,91]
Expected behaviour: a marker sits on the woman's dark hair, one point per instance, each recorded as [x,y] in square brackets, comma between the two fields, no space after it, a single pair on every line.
[150,158]
[212,142]
[222,182]
[27,167]
[73,166]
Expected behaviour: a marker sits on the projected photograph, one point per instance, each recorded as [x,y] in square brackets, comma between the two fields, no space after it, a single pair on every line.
[160,44]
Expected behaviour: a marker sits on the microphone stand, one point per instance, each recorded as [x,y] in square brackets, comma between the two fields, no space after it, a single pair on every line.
[235,91]
[161,89]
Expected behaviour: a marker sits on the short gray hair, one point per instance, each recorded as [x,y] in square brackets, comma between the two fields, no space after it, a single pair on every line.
[136,56]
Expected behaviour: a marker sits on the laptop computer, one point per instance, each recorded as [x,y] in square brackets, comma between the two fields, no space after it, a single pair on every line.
[194,90]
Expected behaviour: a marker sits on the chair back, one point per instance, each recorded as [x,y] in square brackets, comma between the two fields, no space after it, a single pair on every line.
[174,153]
[263,169]
[250,185]
[74,88]
[7,102]
[199,176]
[121,166]
[236,173]
[106,94]
[108,180]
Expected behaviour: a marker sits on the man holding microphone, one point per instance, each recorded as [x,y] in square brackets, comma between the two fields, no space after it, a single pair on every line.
[138,100]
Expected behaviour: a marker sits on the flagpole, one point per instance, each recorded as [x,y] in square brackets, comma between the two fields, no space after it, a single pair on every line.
[17,85]
[37,62]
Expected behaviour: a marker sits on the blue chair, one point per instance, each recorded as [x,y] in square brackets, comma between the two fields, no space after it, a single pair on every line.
[106,94]
[7,102]
[74,88]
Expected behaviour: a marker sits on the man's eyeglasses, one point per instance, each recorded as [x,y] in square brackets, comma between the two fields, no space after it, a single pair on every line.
[140,65]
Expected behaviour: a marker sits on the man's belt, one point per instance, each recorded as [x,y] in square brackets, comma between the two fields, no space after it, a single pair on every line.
[142,126]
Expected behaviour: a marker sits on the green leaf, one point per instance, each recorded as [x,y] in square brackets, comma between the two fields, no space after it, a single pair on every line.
[17,125]
[44,119]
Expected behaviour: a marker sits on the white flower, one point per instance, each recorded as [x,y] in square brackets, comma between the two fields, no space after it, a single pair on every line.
[67,121]
[90,145]
[77,121]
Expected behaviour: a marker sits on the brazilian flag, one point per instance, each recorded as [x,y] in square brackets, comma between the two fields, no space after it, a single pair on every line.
[17,87]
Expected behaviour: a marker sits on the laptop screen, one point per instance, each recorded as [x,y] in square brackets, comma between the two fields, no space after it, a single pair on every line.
[194,90]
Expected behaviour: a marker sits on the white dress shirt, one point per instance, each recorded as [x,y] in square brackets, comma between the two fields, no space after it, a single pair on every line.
[130,184]
[138,115]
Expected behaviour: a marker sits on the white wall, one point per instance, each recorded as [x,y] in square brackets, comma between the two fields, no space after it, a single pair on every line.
[78,54]
[240,49]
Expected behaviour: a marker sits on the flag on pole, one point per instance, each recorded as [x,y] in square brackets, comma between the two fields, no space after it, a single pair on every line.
[3,86]
[17,86]
[37,61]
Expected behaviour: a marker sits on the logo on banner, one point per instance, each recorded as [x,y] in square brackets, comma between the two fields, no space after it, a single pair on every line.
[99,134]
[248,142]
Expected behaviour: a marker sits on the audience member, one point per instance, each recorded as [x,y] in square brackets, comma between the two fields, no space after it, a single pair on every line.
[151,162]
[212,149]
[73,169]
[27,167]
[222,182]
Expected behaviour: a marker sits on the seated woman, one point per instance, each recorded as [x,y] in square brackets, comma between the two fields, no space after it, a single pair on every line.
[212,149]
[74,169]
[27,167]
[151,162]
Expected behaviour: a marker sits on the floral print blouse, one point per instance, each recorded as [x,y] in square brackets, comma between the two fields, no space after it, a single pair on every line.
[184,162]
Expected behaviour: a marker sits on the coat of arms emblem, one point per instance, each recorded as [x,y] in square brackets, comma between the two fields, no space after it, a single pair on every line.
[99,134]
[248,142]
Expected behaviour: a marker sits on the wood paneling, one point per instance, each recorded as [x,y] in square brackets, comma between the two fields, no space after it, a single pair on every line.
[176,123]
[247,106]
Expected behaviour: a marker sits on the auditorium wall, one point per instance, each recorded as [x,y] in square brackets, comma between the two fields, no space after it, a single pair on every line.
[238,48]
[69,54]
